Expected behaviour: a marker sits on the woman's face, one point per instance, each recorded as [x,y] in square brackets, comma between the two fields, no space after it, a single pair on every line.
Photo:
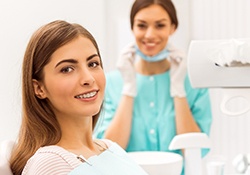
[152,28]
[74,80]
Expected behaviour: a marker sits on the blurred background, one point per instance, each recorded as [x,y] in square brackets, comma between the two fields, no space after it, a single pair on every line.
[108,21]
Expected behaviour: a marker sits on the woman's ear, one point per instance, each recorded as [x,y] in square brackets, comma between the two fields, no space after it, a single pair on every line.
[38,89]
[173,28]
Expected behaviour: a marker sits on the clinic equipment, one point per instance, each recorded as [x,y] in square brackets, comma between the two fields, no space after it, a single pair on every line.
[224,64]
[219,63]
[191,143]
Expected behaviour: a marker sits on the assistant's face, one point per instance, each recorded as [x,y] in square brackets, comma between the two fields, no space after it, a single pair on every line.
[74,80]
[152,28]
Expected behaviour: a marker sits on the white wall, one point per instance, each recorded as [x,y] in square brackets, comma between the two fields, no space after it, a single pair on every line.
[118,31]
[18,20]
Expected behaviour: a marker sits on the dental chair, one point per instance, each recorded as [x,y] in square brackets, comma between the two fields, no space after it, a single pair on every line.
[5,152]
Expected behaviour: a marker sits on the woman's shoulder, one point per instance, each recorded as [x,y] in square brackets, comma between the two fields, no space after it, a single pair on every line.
[53,150]
[51,159]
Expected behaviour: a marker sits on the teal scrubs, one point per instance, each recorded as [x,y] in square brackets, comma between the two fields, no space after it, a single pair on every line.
[153,124]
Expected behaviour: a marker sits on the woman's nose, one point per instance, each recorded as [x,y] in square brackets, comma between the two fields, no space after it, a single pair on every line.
[150,32]
[86,78]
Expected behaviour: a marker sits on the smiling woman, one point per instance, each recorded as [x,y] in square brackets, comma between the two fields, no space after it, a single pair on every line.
[77,66]
[63,88]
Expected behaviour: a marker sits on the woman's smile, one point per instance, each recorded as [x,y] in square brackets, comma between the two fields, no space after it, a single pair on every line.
[88,96]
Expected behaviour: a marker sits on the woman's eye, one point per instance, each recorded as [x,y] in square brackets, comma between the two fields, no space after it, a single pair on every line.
[142,26]
[94,64]
[160,25]
[66,69]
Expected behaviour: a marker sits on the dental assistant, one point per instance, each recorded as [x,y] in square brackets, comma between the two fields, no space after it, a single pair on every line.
[149,99]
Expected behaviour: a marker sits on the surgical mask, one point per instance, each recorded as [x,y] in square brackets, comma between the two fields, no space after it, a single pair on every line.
[160,56]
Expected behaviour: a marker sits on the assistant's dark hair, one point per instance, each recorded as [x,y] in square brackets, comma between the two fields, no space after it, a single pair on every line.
[166,4]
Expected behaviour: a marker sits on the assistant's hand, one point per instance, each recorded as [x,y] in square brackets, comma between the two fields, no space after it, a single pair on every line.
[126,66]
[178,71]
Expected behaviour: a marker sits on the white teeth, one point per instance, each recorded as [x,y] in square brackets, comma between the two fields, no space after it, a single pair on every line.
[88,95]
[150,44]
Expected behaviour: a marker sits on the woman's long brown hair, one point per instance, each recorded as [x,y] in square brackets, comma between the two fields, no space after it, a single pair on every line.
[39,125]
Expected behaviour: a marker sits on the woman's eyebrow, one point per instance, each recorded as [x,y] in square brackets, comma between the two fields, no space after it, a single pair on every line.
[159,20]
[75,61]
[66,61]
[92,56]
[162,20]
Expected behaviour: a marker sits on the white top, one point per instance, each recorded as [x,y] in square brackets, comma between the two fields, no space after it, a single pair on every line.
[53,160]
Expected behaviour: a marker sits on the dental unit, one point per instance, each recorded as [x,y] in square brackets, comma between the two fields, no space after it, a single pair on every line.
[221,64]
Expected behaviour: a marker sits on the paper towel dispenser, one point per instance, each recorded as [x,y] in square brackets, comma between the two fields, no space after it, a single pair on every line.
[219,63]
